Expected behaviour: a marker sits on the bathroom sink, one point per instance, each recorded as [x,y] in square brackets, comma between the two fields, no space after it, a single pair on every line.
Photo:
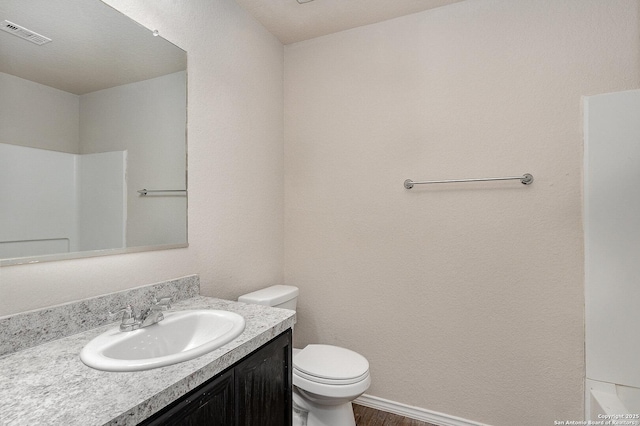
[181,336]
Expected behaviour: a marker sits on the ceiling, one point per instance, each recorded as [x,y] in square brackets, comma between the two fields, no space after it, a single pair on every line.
[291,22]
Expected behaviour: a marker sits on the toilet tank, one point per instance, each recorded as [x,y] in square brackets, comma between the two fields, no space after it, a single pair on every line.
[278,296]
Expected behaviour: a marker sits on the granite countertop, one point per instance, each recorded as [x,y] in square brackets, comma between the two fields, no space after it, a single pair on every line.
[49,384]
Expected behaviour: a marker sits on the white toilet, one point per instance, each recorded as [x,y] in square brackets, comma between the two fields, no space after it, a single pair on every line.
[325,378]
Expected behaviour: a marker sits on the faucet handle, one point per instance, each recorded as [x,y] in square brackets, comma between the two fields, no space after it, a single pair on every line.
[127,314]
[163,304]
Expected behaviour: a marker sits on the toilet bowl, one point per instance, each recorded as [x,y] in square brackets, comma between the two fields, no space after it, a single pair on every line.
[326,378]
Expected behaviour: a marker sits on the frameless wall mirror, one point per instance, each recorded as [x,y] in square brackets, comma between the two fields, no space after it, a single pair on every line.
[92,112]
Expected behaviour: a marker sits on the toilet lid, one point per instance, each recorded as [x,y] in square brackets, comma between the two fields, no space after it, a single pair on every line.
[331,364]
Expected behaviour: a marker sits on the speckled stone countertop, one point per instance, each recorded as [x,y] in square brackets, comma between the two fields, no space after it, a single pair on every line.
[49,385]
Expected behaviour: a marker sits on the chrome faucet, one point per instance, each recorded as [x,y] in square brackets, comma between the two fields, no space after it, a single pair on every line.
[154,314]
[145,318]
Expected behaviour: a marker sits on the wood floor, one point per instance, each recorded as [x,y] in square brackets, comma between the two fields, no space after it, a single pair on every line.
[366,416]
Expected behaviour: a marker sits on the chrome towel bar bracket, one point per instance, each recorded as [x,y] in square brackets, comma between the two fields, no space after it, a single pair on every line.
[526,179]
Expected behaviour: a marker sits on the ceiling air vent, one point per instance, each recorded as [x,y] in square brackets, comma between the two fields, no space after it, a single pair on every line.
[24,33]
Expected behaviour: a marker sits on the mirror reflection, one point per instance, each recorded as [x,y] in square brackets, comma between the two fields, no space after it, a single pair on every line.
[93,110]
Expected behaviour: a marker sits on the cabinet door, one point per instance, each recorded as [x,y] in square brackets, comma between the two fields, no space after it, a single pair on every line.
[211,404]
[263,385]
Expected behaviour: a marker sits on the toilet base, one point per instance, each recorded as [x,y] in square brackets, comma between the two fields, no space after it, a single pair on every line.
[307,413]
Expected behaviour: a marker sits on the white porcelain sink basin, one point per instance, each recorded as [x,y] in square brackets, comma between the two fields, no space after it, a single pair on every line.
[181,336]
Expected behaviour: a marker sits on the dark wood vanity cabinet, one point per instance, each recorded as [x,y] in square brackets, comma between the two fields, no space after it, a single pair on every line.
[254,391]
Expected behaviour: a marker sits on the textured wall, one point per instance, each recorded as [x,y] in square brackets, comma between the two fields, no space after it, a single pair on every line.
[466,299]
[235,132]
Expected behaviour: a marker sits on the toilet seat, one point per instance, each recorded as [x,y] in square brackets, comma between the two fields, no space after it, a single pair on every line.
[328,381]
[330,364]
[330,371]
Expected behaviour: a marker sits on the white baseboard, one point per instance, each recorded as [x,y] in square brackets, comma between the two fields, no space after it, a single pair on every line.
[415,413]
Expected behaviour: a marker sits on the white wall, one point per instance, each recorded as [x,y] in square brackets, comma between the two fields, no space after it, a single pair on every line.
[612,237]
[235,167]
[38,116]
[466,299]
